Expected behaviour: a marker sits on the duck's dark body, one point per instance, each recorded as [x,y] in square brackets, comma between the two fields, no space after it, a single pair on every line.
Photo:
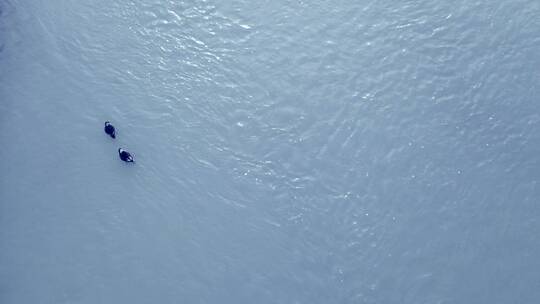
[109,129]
[125,156]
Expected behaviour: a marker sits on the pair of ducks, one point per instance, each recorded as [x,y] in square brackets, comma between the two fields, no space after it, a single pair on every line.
[124,155]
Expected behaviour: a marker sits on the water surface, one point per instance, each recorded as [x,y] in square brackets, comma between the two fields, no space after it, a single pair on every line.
[287,151]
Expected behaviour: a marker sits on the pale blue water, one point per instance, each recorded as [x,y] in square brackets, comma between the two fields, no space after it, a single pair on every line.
[287,151]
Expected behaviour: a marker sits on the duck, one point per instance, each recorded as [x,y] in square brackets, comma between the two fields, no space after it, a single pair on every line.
[109,129]
[125,156]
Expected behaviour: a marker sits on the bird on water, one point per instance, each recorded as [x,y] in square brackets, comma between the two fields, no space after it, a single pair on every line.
[125,156]
[109,129]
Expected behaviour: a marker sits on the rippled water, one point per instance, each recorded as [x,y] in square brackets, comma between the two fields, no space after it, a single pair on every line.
[287,151]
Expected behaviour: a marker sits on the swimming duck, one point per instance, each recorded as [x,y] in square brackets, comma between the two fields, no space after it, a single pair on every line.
[125,156]
[109,129]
